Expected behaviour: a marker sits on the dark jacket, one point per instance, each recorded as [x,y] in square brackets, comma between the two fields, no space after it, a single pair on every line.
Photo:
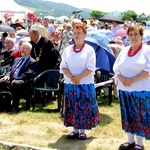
[6,58]
[49,58]
[28,70]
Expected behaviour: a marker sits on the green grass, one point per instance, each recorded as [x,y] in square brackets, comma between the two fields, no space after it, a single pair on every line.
[42,129]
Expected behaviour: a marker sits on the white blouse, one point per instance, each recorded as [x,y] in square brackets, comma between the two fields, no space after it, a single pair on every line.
[78,62]
[131,66]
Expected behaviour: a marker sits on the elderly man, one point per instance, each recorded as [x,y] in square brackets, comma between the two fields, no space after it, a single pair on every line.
[43,51]
[6,58]
[18,78]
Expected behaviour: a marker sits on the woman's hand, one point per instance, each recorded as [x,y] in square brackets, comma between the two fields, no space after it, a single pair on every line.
[76,79]
[128,82]
[122,78]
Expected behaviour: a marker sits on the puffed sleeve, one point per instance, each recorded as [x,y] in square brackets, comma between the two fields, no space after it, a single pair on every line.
[91,63]
[115,66]
[63,63]
[147,56]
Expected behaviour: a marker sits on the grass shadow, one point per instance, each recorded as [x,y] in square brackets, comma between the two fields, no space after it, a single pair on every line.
[105,119]
[74,144]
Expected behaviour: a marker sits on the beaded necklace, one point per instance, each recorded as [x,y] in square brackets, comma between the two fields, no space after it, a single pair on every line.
[132,53]
[78,51]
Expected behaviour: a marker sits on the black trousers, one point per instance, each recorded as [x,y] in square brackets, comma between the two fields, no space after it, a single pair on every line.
[19,89]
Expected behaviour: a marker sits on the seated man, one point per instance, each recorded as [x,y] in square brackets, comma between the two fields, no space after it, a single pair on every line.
[6,55]
[18,78]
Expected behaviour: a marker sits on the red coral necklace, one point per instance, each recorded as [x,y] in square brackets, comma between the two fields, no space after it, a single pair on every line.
[132,53]
[78,51]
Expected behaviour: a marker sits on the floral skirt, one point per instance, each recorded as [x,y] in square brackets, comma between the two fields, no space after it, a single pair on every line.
[135,112]
[81,108]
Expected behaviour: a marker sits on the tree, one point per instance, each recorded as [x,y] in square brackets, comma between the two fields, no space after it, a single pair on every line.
[97,13]
[143,17]
[127,15]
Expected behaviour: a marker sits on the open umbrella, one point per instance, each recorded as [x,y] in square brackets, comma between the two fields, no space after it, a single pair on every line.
[105,57]
[108,33]
[50,17]
[121,32]
[63,17]
[110,18]
[76,11]
[22,32]
[6,28]
[99,36]
[15,25]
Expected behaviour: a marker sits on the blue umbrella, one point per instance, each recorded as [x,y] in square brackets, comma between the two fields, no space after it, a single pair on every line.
[104,55]
[108,33]
[98,36]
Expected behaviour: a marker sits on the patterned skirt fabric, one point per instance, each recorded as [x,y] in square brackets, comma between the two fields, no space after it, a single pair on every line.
[81,108]
[135,112]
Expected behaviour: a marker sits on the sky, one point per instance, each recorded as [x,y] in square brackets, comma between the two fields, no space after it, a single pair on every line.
[138,6]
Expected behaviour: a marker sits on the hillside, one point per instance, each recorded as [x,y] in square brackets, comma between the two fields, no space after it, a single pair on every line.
[44,8]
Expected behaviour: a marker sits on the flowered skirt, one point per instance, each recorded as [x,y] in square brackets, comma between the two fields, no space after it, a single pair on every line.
[81,108]
[135,112]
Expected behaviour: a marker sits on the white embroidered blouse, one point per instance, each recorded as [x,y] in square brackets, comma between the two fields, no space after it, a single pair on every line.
[131,66]
[78,62]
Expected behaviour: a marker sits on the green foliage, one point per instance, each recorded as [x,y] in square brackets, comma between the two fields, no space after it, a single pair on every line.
[127,15]
[96,13]
[142,17]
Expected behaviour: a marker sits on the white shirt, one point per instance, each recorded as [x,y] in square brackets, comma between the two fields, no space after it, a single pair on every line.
[131,66]
[78,62]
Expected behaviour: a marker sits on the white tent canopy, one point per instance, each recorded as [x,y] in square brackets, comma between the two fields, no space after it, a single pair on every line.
[10,6]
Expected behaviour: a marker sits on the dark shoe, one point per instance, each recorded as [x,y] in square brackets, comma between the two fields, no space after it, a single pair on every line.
[138,147]
[127,146]
[13,111]
[116,97]
[73,135]
[82,136]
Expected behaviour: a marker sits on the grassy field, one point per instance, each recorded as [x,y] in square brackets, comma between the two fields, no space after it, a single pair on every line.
[46,130]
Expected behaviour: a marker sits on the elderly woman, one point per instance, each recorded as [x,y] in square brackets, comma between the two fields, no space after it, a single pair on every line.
[78,67]
[132,69]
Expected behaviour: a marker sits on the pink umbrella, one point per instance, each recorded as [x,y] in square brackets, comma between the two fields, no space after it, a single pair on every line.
[121,32]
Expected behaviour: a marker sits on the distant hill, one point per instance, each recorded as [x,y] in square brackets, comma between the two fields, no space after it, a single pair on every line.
[44,8]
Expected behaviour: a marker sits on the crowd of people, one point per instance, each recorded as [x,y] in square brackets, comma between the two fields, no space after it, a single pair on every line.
[47,46]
